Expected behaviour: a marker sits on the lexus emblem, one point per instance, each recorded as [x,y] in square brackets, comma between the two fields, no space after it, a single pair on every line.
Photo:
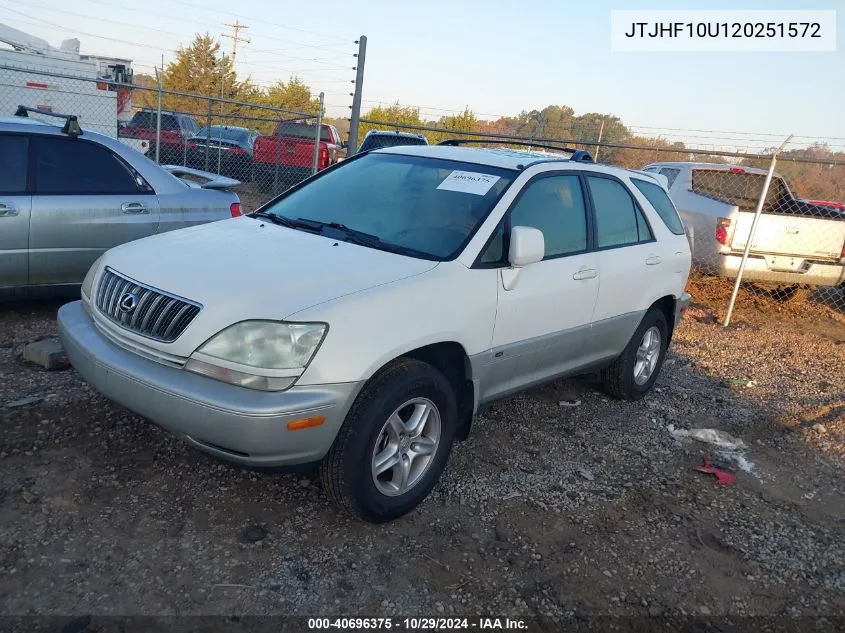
[127,302]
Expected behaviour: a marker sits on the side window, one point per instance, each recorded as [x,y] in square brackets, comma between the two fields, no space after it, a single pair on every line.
[555,205]
[13,164]
[74,166]
[662,204]
[618,220]
[670,174]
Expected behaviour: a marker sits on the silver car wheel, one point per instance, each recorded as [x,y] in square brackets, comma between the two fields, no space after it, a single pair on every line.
[648,354]
[406,446]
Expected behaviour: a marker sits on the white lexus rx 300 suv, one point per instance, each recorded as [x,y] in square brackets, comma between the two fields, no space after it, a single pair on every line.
[358,321]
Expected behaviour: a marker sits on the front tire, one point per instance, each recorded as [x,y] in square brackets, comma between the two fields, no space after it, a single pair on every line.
[394,443]
[633,374]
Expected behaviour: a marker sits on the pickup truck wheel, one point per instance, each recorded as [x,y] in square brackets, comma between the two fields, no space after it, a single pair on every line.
[394,443]
[632,375]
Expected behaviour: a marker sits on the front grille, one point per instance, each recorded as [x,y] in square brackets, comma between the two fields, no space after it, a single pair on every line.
[144,310]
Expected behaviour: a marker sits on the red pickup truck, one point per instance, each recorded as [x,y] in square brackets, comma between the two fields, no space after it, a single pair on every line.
[287,157]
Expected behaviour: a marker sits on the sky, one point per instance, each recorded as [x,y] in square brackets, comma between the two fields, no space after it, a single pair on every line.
[497,57]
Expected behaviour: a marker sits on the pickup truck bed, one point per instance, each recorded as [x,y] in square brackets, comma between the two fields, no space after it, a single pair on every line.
[287,157]
[796,242]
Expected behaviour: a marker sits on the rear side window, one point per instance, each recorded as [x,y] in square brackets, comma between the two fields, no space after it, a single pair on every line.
[662,204]
[74,166]
[13,163]
[619,221]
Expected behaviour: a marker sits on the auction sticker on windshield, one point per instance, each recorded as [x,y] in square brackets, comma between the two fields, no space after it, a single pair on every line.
[468,182]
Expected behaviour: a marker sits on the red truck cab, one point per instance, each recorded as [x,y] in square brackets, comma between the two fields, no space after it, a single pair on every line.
[287,156]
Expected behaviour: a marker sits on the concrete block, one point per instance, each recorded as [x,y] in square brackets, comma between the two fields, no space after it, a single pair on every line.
[47,353]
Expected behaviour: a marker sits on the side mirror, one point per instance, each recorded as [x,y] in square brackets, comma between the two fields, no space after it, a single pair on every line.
[528,246]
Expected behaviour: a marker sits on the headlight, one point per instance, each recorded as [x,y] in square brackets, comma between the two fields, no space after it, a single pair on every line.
[88,282]
[266,355]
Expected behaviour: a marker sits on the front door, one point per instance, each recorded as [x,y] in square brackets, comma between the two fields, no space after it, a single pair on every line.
[86,200]
[543,322]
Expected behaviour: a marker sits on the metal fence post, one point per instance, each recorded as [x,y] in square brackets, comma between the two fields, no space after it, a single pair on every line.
[319,135]
[760,203]
[158,116]
[355,118]
[598,142]
[278,157]
[207,133]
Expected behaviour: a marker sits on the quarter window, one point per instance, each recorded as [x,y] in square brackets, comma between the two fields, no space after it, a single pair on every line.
[662,204]
[670,174]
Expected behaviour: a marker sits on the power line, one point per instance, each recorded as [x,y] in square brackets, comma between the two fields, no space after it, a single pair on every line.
[259,19]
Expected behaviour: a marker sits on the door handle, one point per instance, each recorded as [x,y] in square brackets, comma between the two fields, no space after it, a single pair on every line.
[133,207]
[7,210]
[652,260]
[585,273]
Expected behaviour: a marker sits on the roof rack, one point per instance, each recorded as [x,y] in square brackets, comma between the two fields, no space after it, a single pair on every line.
[71,126]
[578,155]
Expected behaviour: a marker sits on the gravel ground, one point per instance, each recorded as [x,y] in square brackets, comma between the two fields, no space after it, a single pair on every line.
[569,511]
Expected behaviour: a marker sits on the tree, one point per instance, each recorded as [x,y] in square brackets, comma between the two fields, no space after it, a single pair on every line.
[293,95]
[466,121]
[390,118]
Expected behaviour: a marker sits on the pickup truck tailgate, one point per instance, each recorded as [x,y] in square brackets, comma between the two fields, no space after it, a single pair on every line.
[287,151]
[796,236]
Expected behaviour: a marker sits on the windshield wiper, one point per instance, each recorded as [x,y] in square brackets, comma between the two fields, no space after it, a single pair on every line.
[358,237]
[283,221]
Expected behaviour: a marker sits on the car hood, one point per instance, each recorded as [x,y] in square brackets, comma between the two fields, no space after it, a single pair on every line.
[244,268]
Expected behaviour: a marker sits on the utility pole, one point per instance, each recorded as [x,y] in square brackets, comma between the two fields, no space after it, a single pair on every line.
[236,27]
[356,96]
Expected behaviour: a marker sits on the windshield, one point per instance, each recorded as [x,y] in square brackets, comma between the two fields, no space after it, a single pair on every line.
[425,207]
[237,134]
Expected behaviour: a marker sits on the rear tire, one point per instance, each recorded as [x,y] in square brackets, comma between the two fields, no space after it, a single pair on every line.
[633,374]
[381,429]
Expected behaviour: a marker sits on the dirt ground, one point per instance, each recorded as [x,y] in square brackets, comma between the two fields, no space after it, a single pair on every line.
[548,509]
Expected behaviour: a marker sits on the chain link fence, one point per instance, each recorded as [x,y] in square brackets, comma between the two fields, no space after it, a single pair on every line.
[266,149]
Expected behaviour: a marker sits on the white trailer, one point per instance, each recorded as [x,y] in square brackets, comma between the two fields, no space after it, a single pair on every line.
[37,75]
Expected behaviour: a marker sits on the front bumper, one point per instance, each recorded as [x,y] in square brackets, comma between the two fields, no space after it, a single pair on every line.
[234,423]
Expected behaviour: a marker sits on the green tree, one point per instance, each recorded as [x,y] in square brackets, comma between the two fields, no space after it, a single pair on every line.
[391,117]
[293,95]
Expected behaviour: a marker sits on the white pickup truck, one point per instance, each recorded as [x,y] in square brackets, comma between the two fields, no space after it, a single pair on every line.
[796,242]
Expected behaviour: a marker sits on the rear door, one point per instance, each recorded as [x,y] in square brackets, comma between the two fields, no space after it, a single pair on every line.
[632,263]
[86,199]
[15,205]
